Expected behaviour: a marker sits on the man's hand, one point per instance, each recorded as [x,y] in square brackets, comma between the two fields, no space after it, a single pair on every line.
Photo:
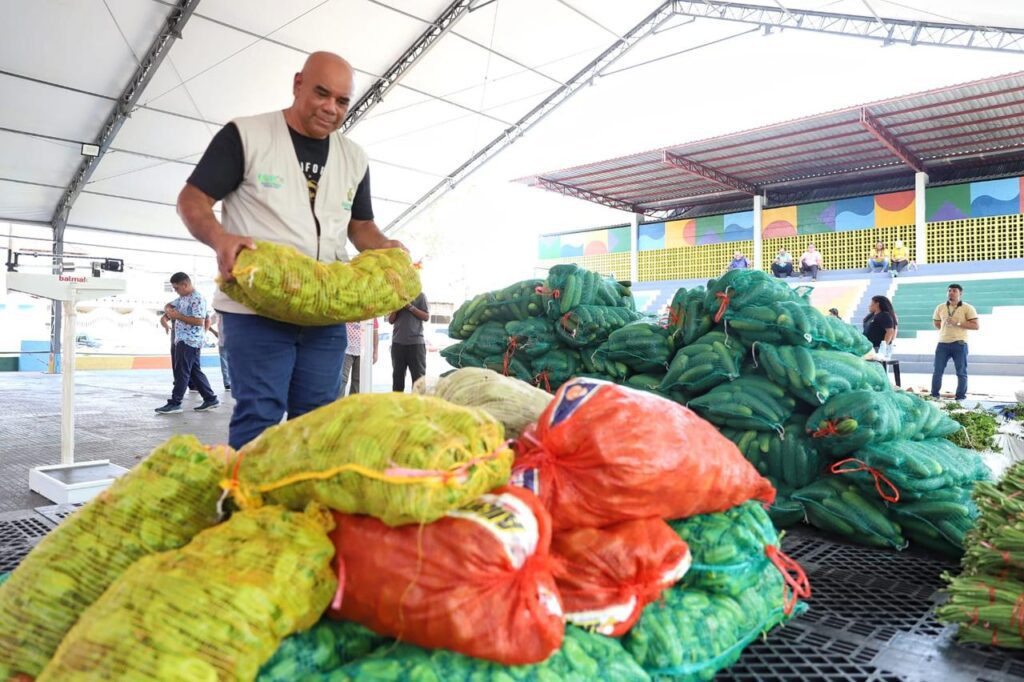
[228,246]
[170,311]
[394,244]
[375,356]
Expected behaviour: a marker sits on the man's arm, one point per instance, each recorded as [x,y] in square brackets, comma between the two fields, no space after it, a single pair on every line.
[196,210]
[417,313]
[187,319]
[165,322]
[393,317]
[970,324]
[365,235]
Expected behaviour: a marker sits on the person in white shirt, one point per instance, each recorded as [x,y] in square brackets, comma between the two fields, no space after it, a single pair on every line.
[811,262]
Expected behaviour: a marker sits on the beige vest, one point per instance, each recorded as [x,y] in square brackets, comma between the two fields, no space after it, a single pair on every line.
[272,203]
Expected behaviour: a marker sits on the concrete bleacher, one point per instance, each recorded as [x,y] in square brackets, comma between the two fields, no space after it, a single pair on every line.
[915,302]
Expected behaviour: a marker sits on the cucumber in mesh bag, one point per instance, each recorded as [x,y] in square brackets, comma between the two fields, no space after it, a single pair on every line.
[814,376]
[584,656]
[687,319]
[940,521]
[703,364]
[327,645]
[641,346]
[853,420]
[691,634]
[750,402]
[836,506]
[728,548]
[901,471]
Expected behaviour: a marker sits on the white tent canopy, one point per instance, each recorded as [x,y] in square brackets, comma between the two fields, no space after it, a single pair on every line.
[64,63]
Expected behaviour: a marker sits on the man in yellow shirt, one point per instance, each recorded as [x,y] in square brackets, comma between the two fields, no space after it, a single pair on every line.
[899,258]
[953,319]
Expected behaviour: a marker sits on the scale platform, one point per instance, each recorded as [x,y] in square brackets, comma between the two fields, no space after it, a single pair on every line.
[74,483]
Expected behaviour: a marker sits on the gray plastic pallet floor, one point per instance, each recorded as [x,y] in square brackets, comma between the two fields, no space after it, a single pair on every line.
[871,616]
[871,619]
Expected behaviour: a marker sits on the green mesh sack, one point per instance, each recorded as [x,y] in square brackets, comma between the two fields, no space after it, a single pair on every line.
[641,346]
[689,635]
[490,338]
[458,356]
[214,610]
[788,322]
[401,457]
[518,301]
[814,376]
[532,337]
[646,382]
[591,325]
[584,657]
[327,645]
[595,361]
[703,364]
[938,524]
[278,282]
[853,420]
[467,317]
[791,459]
[832,333]
[728,548]
[687,319]
[785,511]
[553,369]
[737,289]
[569,286]
[835,506]
[157,506]
[912,470]
[510,366]
[750,402]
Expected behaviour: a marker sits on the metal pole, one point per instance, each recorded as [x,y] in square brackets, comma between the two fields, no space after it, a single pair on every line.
[758,237]
[366,359]
[920,216]
[67,410]
[634,248]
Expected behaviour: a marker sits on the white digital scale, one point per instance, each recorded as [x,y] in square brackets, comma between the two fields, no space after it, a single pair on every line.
[69,482]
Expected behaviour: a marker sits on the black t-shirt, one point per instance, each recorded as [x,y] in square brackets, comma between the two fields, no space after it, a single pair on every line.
[875,326]
[220,171]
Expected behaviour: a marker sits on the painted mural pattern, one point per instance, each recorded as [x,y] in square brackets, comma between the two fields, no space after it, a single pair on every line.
[589,243]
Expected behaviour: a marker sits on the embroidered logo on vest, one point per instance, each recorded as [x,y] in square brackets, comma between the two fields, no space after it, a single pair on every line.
[347,204]
[270,181]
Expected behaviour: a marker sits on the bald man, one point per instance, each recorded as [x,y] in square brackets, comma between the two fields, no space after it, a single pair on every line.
[288,177]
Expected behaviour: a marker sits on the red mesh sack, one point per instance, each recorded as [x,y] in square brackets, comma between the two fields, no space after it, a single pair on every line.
[478,581]
[606,576]
[602,453]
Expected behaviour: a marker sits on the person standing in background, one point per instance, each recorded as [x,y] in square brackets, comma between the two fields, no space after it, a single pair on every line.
[953,319]
[353,354]
[222,351]
[408,347]
[880,325]
[188,312]
[810,262]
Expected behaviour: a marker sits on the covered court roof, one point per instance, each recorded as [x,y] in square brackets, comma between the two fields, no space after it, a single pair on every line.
[957,133]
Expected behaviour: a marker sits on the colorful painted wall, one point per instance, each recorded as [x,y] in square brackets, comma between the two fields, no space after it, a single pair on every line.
[589,243]
[992,210]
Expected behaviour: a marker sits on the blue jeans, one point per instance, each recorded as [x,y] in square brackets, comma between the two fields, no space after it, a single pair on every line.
[185,364]
[943,352]
[876,263]
[277,369]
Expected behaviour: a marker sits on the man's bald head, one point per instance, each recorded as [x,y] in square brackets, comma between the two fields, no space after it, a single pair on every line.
[323,92]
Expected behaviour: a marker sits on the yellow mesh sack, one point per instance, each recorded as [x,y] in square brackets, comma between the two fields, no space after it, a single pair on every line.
[214,610]
[400,457]
[278,282]
[514,403]
[158,505]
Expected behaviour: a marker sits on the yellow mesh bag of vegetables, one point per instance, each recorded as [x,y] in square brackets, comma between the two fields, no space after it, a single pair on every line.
[216,609]
[278,282]
[157,506]
[400,457]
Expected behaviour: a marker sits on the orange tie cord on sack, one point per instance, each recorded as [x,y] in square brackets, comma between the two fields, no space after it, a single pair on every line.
[879,477]
[795,582]
[603,453]
[606,576]
[478,581]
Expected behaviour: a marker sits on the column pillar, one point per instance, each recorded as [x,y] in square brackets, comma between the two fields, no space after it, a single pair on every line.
[920,216]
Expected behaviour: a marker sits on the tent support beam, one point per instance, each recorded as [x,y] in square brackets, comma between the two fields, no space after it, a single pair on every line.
[448,18]
[890,31]
[509,136]
[889,141]
[708,173]
[150,62]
